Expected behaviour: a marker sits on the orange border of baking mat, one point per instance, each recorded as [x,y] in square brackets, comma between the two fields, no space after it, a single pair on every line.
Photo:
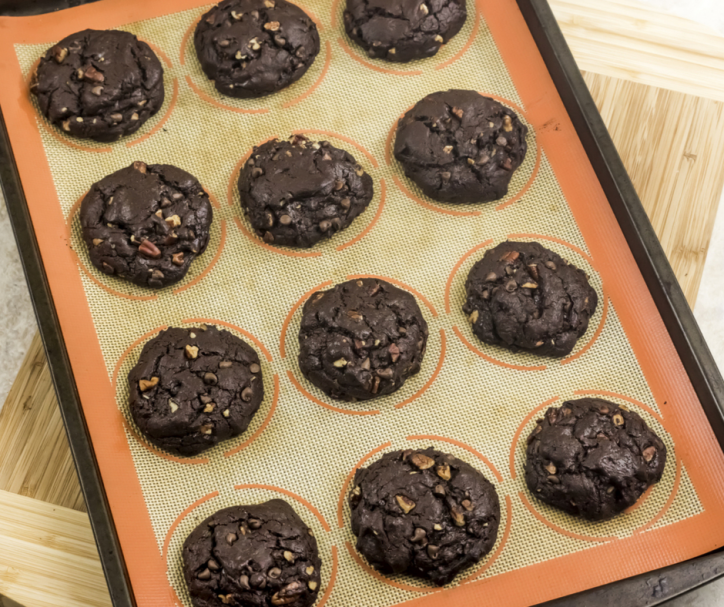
[630,297]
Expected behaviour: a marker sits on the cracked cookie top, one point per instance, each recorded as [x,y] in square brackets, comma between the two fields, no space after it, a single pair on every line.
[523,296]
[461,147]
[146,223]
[252,556]
[424,513]
[403,30]
[193,388]
[251,48]
[99,84]
[299,192]
[592,458]
[361,339]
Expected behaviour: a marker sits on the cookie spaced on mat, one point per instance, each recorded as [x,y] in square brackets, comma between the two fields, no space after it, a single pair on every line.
[424,513]
[298,192]
[461,147]
[523,296]
[361,339]
[99,84]
[252,556]
[146,223]
[252,48]
[592,458]
[193,388]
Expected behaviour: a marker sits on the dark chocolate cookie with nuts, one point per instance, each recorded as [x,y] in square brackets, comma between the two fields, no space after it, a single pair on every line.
[251,48]
[592,458]
[146,223]
[193,388]
[403,30]
[99,84]
[461,147]
[252,556]
[299,192]
[423,513]
[523,296]
[361,339]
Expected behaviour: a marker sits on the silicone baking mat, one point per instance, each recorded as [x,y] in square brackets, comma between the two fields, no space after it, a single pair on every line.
[476,401]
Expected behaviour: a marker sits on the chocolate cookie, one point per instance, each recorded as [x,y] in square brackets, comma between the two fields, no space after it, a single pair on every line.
[459,146]
[99,84]
[522,296]
[361,339]
[592,458]
[299,192]
[424,513]
[193,388]
[146,223]
[251,48]
[252,556]
[403,30]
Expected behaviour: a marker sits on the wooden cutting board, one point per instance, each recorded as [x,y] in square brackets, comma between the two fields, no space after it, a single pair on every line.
[658,82]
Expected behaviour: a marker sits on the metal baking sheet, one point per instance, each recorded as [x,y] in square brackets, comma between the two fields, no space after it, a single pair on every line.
[531,88]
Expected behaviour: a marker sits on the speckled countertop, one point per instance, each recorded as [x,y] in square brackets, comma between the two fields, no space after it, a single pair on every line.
[17,319]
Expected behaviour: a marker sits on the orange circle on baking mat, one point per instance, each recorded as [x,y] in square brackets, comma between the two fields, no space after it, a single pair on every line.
[472,209]
[285,493]
[193,276]
[305,388]
[150,127]
[384,67]
[232,198]
[206,91]
[576,528]
[240,442]
[579,349]
[426,589]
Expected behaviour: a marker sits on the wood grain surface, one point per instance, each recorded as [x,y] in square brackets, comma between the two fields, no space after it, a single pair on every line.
[673,147]
[627,39]
[658,82]
[36,460]
[48,557]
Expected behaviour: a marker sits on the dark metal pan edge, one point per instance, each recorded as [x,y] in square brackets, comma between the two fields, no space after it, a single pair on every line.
[629,212]
[650,589]
[15,8]
[646,589]
[65,388]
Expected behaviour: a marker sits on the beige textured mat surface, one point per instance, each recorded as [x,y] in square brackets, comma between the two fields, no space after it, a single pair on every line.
[475,401]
